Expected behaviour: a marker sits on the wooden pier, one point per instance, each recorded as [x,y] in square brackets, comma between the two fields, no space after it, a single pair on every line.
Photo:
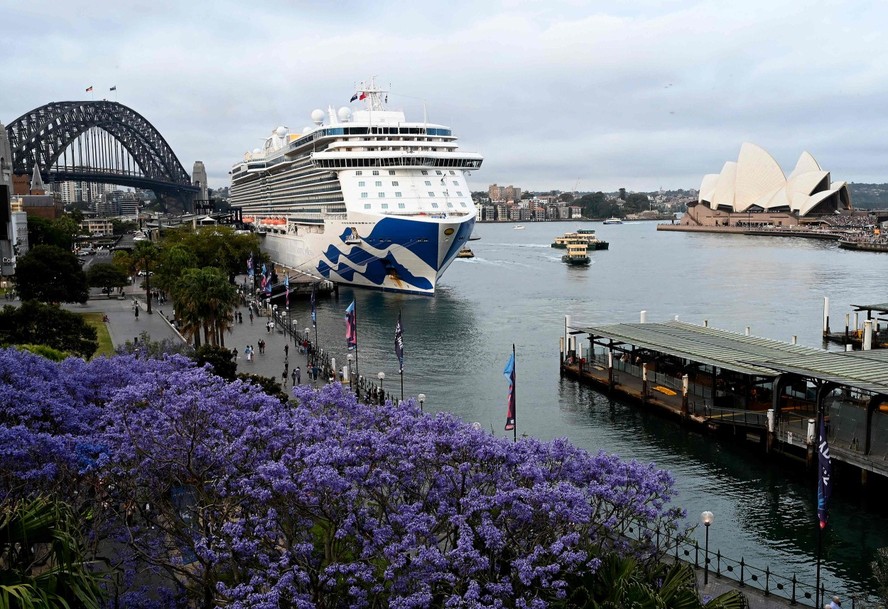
[872,333]
[762,391]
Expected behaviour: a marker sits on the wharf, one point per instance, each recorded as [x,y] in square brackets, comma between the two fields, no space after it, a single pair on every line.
[777,231]
[871,334]
[765,392]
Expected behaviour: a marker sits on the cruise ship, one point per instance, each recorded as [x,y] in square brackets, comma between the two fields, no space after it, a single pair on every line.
[362,198]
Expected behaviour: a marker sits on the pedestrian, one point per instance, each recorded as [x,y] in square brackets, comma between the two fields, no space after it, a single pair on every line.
[261,344]
[836,603]
[248,351]
[251,317]
[295,376]
[284,378]
[234,353]
[136,311]
[286,352]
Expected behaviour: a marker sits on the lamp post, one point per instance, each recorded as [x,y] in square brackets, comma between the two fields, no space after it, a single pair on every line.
[421,398]
[706,518]
[381,377]
[350,357]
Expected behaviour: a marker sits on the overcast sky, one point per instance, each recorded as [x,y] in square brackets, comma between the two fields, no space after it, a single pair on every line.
[560,94]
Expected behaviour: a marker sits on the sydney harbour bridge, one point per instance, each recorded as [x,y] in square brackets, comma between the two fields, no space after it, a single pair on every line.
[101,142]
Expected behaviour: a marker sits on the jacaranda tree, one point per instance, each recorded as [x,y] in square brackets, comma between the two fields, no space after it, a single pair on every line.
[215,494]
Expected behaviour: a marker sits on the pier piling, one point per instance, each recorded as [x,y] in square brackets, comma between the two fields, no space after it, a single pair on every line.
[868,335]
[825,315]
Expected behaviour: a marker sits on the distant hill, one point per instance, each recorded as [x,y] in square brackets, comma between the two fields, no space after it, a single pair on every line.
[869,196]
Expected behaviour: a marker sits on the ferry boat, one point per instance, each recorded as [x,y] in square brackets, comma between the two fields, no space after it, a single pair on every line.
[362,198]
[518,227]
[583,236]
[576,255]
[613,221]
[465,253]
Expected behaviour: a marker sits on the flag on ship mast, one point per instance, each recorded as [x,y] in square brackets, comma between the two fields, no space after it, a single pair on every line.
[114,88]
[351,327]
[509,373]
[89,89]
[354,97]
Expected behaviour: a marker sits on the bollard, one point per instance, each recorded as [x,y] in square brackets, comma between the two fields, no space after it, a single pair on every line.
[795,339]
[825,315]
[747,330]
[643,317]
[684,395]
[867,335]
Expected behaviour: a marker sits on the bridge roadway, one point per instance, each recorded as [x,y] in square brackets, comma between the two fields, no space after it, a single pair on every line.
[124,326]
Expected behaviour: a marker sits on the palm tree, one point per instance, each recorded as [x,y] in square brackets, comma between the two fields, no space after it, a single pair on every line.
[42,560]
[204,300]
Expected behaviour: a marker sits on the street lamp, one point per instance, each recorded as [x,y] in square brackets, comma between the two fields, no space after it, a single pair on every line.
[421,397]
[706,518]
[350,357]
[381,377]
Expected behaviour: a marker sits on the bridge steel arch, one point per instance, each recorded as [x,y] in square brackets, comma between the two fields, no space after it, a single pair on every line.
[40,136]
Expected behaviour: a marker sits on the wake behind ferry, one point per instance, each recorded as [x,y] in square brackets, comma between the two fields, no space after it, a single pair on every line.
[362,198]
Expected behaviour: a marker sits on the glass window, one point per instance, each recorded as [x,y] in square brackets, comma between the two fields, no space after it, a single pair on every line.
[376,172]
[378,183]
[397,194]
[435,205]
[363,195]
[463,203]
[385,205]
[449,204]
[361,184]
[453,173]
[380,195]
[428,183]
[431,194]
[359,173]
[455,183]
[366,206]
[391,172]
[400,206]
[439,173]
[395,183]
[424,172]
[459,193]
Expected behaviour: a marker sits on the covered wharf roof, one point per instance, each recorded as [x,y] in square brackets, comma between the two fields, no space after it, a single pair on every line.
[866,370]
[881,307]
[709,346]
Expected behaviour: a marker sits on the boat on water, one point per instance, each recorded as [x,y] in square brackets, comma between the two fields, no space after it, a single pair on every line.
[518,227]
[583,236]
[362,198]
[613,221]
[577,255]
[465,253]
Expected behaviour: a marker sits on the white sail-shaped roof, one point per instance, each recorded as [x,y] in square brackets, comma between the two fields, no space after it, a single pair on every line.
[757,174]
[756,180]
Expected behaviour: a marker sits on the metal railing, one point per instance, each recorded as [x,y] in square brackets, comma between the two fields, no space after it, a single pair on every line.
[765,581]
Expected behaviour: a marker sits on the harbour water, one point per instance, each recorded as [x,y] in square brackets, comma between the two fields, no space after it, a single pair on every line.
[517,290]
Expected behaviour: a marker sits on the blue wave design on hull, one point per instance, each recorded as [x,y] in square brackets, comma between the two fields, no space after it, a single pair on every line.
[420,238]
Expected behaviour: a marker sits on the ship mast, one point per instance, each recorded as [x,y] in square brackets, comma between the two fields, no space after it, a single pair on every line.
[375,97]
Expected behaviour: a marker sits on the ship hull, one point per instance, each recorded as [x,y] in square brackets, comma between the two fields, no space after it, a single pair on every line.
[389,253]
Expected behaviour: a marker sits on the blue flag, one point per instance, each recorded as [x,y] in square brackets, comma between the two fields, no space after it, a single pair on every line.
[314,312]
[824,488]
[399,344]
[509,373]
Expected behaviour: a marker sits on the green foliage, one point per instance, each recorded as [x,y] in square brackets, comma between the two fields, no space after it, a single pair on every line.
[269,385]
[49,353]
[636,202]
[216,246]
[621,581]
[121,227]
[220,358]
[51,274]
[106,275]
[45,232]
[596,205]
[205,300]
[42,560]
[35,323]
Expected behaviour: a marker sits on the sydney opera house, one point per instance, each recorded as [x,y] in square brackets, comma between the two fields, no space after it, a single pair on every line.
[754,191]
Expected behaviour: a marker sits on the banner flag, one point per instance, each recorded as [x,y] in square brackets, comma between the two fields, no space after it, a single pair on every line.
[114,88]
[399,344]
[509,373]
[314,311]
[351,327]
[250,265]
[824,490]
[89,89]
